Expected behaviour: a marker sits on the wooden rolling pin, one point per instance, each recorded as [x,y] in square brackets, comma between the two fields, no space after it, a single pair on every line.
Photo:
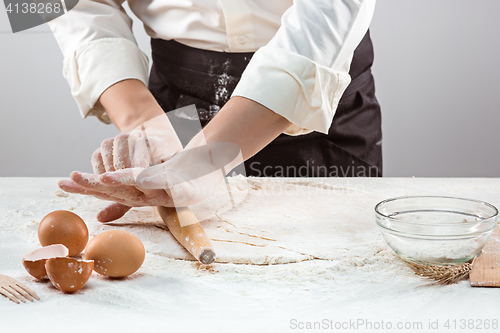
[187,230]
[184,225]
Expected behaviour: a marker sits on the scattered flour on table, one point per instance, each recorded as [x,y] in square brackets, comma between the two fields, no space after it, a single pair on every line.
[276,223]
[289,247]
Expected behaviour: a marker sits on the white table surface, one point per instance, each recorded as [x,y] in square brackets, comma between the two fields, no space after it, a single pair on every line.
[176,296]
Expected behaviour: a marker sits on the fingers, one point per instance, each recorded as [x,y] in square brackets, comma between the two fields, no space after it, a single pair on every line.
[93,183]
[114,154]
[182,192]
[185,166]
[112,212]
[107,154]
[141,152]
[121,177]
[97,162]
[154,177]
[125,194]
[138,149]
[127,178]
[71,187]
[121,153]
[149,198]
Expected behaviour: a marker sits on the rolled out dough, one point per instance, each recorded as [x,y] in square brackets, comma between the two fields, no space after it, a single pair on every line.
[274,222]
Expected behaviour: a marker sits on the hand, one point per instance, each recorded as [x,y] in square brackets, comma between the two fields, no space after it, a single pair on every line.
[187,178]
[194,174]
[153,141]
[191,176]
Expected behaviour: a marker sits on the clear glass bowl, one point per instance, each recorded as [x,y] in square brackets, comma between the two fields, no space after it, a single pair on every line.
[436,230]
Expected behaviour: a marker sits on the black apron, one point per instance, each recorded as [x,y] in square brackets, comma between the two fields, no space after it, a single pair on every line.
[182,76]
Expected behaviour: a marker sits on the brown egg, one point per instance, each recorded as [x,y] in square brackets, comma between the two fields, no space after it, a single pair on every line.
[69,274]
[34,262]
[63,227]
[116,253]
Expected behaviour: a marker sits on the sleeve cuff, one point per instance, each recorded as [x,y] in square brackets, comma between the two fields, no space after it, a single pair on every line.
[98,65]
[302,91]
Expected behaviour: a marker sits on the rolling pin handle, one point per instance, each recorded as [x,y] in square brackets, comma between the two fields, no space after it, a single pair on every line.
[207,257]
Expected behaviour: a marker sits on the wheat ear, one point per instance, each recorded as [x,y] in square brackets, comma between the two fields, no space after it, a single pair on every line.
[445,274]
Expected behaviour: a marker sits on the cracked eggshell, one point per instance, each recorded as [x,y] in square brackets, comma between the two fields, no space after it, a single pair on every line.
[69,274]
[64,227]
[116,253]
[34,262]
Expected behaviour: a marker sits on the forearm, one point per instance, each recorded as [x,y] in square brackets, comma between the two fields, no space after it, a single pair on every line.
[249,125]
[129,104]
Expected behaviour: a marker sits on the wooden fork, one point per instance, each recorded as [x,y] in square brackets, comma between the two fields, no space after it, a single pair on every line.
[15,290]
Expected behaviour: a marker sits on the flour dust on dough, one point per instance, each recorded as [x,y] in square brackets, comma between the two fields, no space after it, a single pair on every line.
[274,222]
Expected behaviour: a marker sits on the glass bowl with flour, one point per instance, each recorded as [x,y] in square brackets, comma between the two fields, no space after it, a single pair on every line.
[434,229]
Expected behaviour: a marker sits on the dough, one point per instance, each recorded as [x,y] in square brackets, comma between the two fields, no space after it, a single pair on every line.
[274,222]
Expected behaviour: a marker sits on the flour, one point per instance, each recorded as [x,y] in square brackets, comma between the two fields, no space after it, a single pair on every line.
[221,92]
[310,251]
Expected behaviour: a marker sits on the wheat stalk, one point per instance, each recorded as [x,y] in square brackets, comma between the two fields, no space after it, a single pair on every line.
[444,274]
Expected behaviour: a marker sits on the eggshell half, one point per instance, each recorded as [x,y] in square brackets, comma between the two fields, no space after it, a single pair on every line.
[116,253]
[64,227]
[69,274]
[34,262]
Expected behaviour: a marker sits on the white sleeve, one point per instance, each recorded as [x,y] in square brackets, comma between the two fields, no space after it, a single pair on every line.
[99,50]
[304,70]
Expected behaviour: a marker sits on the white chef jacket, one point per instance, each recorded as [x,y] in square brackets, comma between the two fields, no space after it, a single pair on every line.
[300,69]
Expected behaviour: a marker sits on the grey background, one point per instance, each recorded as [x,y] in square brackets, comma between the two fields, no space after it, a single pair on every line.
[436,65]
